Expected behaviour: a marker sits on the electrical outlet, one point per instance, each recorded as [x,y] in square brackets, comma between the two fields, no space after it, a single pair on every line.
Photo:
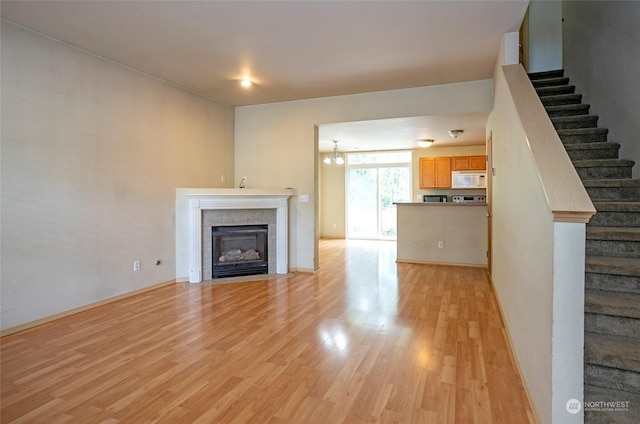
[222,178]
[136,266]
[418,197]
[440,244]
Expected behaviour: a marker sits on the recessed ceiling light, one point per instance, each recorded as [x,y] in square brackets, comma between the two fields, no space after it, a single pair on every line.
[246,82]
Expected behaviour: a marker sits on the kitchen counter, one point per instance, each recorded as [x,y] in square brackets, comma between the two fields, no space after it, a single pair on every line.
[460,227]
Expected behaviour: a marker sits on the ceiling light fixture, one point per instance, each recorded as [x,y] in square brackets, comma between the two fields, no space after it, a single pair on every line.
[424,142]
[246,82]
[334,158]
[455,133]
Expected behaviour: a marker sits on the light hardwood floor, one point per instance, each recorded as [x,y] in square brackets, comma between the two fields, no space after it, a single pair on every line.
[364,340]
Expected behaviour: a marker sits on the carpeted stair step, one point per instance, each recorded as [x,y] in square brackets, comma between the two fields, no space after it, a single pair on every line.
[612,324]
[588,151]
[612,355]
[561,99]
[624,305]
[549,82]
[555,73]
[622,242]
[616,214]
[619,190]
[553,90]
[612,351]
[567,110]
[597,411]
[575,121]
[612,313]
[612,378]
[603,168]
[620,275]
[583,135]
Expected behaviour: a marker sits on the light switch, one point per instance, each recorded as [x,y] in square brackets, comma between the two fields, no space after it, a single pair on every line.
[303,198]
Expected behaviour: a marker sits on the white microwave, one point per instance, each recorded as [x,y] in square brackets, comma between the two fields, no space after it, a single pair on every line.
[468,179]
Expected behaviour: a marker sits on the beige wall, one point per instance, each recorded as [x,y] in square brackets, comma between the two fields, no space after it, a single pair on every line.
[461,227]
[92,153]
[539,208]
[276,144]
[332,201]
[522,250]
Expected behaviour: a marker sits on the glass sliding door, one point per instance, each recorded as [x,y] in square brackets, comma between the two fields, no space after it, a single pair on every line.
[362,203]
[394,185]
[374,182]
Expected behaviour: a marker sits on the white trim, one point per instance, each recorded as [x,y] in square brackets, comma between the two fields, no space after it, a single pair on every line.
[220,199]
[567,346]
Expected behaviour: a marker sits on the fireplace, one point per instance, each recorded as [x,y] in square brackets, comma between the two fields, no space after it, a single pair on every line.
[238,250]
[199,209]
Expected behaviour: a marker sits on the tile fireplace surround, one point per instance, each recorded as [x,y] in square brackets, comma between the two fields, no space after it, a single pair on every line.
[193,204]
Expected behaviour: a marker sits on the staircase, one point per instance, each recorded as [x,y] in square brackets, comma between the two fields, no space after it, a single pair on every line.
[612,278]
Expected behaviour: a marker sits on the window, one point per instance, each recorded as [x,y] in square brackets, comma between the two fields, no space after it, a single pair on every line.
[375,181]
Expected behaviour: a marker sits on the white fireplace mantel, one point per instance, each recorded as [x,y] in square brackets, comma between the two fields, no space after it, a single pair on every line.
[220,198]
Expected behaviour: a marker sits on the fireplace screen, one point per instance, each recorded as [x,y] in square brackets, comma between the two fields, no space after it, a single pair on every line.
[239,250]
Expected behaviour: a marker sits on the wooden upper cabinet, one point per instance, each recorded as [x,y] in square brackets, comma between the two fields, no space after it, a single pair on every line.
[477,162]
[460,163]
[467,163]
[443,172]
[427,172]
[435,172]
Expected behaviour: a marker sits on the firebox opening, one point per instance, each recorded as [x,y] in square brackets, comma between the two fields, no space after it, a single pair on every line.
[239,250]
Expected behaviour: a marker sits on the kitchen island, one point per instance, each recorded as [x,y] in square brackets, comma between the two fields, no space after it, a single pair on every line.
[442,233]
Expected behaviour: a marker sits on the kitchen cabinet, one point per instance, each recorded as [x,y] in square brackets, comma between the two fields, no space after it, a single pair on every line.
[427,172]
[460,163]
[477,162]
[468,163]
[435,172]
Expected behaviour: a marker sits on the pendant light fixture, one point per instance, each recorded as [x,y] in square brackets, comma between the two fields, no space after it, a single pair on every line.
[334,158]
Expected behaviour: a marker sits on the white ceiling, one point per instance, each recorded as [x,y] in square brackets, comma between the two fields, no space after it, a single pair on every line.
[291,49]
[402,133]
